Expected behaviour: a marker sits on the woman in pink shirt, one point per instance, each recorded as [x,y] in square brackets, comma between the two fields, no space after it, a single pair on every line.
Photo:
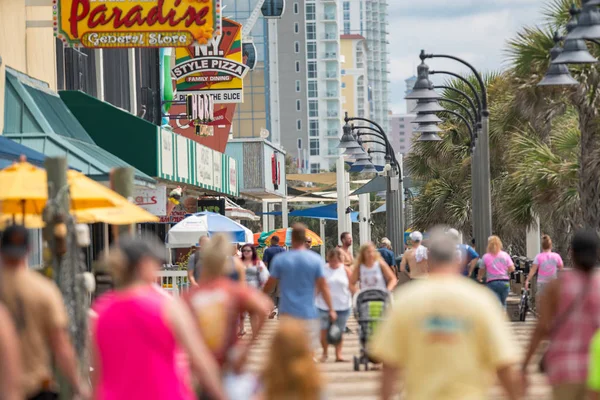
[497,265]
[139,332]
[546,265]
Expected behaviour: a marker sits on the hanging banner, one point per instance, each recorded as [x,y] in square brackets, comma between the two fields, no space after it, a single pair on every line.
[136,23]
[216,68]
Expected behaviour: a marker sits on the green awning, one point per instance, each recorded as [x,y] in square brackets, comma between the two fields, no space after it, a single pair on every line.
[36,117]
[125,135]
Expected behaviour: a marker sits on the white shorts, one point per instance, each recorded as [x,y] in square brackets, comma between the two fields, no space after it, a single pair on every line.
[313,330]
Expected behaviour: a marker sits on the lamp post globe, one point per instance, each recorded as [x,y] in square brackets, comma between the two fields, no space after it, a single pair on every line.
[588,25]
[423,88]
[426,118]
[348,140]
[557,74]
[575,51]
[427,107]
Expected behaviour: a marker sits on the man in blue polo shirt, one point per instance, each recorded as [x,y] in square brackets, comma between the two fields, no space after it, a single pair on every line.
[467,255]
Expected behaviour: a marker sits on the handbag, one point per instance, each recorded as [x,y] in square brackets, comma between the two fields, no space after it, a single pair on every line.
[562,318]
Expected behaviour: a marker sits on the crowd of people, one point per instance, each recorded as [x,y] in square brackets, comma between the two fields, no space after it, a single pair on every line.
[145,343]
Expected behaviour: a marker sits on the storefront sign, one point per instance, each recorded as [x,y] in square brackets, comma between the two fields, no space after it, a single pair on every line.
[216,68]
[204,165]
[212,205]
[217,170]
[152,200]
[232,174]
[200,108]
[136,23]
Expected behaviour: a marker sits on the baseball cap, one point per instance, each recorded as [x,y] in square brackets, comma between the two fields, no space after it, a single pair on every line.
[14,242]
[416,236]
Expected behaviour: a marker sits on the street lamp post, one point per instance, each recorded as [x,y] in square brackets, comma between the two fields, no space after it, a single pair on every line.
[394,213]
[480,168]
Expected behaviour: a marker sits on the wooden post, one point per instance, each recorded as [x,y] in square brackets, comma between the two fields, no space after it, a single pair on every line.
[121,181]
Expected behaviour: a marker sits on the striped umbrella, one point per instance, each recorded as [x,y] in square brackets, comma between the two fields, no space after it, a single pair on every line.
[285,236]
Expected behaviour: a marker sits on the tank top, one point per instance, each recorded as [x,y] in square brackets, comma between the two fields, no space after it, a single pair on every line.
[235,275]
[372,278]
[253,275]
[145,344]
[547,263]
[339,287]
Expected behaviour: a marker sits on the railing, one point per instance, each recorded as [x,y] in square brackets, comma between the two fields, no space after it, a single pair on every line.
[174,282]
[330,36]
[331,74]
[332,132]
[330,55]
[329,17]
[332,114]
[331,94]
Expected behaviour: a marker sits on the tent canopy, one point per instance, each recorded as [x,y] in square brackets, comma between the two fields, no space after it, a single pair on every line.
[187,232]
[321,212]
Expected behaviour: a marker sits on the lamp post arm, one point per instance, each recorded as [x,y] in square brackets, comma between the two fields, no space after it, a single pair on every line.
[469,84]
[482,87]
[379,131]
[377,151]
[466,96]
[373,141]
[469,127]
[463,107]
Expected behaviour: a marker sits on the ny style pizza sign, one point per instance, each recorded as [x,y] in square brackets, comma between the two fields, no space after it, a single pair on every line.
[217,68]
[136,23]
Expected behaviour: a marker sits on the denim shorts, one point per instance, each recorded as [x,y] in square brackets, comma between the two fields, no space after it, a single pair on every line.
[342,319]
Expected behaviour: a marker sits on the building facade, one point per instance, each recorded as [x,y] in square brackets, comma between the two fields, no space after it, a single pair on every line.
[323,60]
[368,18]
[410,84]
[293,86]
[402,132]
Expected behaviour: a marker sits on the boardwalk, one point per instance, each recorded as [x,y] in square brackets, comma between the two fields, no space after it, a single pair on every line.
[344,383]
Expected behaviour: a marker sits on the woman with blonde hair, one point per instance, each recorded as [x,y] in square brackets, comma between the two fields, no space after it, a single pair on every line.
[497,266]
[371,271]
[291,373]
[217,303]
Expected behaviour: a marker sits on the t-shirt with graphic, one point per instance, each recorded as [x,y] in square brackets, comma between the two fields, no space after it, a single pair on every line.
[496,266]
[547,262]
[448,338]
[216,306]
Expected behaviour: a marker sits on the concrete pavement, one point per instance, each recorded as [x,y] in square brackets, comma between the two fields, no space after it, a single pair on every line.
[344,383]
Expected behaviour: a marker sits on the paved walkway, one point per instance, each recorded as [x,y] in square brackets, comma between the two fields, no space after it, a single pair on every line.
[345,383]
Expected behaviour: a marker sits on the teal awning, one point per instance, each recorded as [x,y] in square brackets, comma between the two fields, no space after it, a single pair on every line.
[36,117]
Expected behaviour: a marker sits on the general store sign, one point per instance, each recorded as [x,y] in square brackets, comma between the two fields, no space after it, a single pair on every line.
[216,68]
[136,23]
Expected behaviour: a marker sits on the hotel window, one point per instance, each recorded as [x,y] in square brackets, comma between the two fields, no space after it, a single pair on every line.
[313,109]
[310,12]
[296,27]
[296,47]
[346,27]
[314,147]
[313,90]
[311,50]
[346,6]
[296,8]
[298,105]
[299,125]
[313,127]
[315,168]
[298,87]
[311,31]
[297,66]
[312,69]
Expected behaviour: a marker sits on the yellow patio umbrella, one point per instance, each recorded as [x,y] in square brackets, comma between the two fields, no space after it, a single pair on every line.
[32,221]
[24,193]
[24,190]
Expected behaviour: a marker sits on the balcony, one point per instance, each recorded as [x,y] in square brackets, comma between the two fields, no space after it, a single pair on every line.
[330,94]
[332,133]
[329,17]
[330,37]
[331,75]
[329,56]
[333,114]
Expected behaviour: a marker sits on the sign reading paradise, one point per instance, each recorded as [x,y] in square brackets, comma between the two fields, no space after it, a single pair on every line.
[136,23]
[216,68]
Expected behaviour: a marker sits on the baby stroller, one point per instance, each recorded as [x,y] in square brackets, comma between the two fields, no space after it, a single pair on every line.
[369,307]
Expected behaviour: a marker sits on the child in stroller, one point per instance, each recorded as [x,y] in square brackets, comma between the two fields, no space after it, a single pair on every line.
[369,308]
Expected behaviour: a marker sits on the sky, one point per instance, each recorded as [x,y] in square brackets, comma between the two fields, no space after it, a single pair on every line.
[475,30]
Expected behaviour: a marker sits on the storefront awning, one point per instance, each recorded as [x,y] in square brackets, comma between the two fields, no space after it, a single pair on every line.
[11,151]
[36,117]
[157,152]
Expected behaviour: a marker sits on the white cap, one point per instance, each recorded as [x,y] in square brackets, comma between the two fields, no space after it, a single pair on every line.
[453,232]
[416,236]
